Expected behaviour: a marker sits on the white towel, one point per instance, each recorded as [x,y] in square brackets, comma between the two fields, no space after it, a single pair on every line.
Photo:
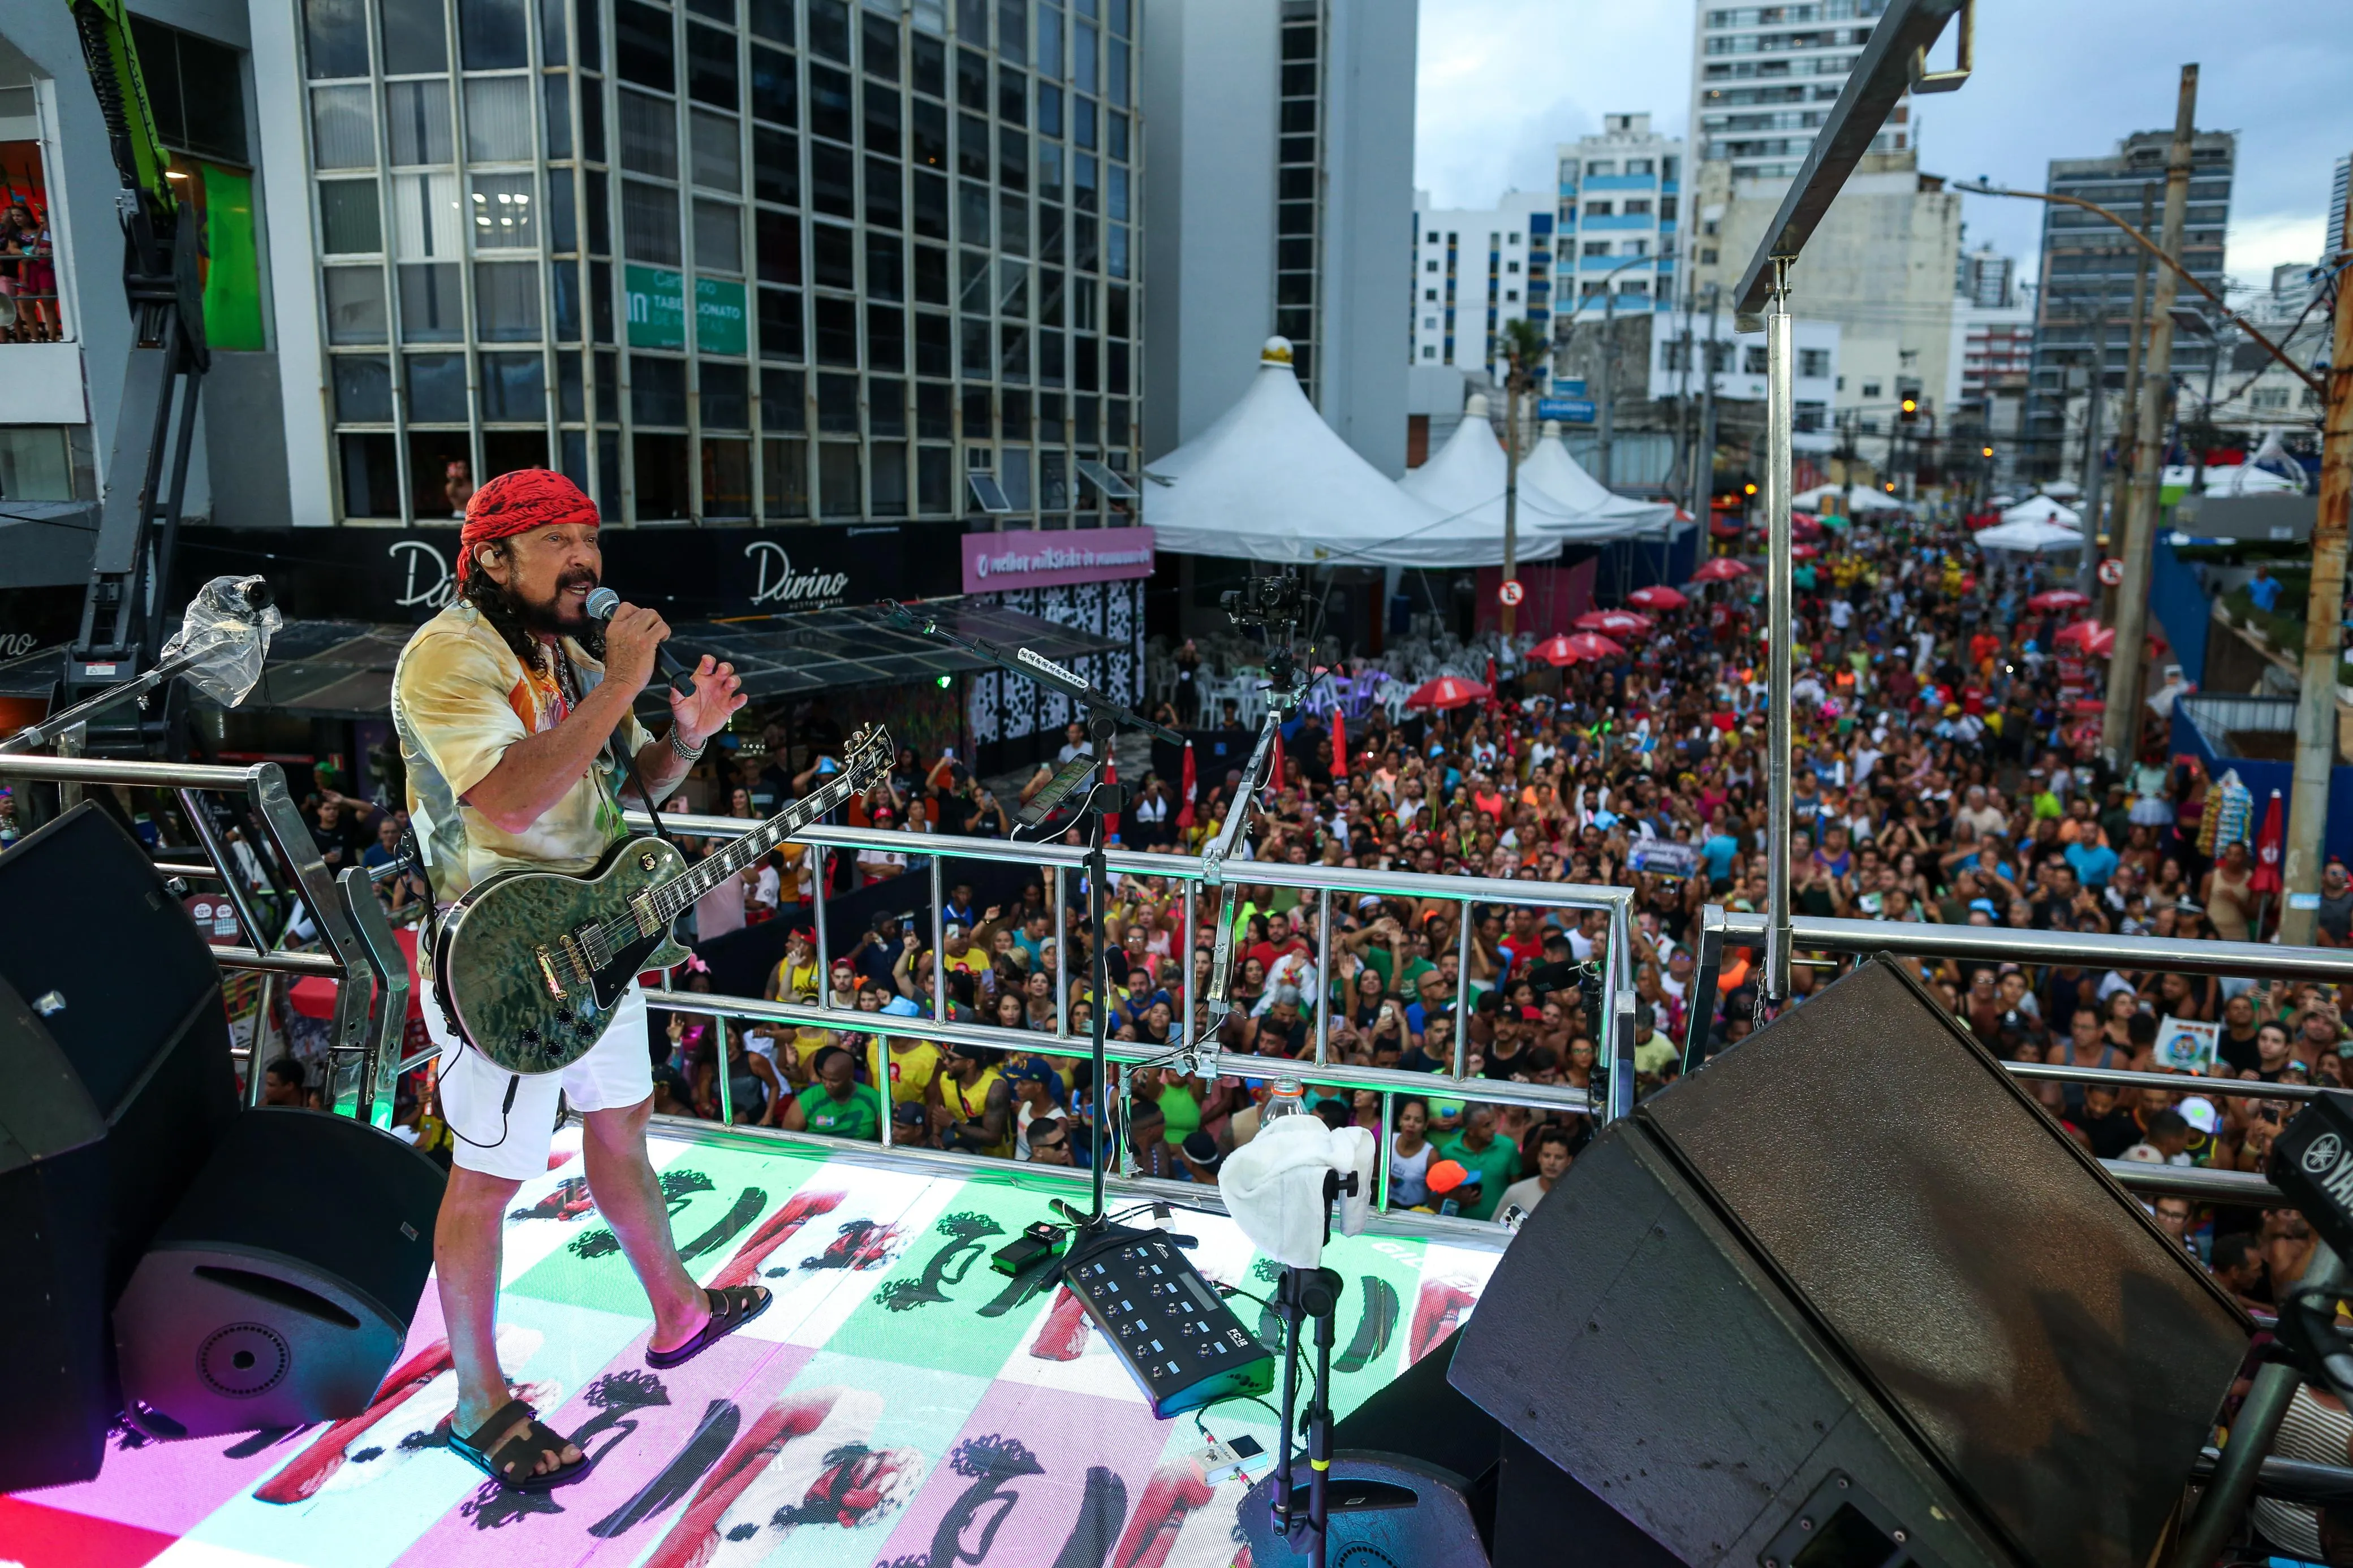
[1273,1186]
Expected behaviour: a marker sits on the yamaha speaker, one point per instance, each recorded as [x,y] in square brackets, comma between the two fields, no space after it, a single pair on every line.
[279,1291]
[1848,1295]
[55,1405]
[115,970]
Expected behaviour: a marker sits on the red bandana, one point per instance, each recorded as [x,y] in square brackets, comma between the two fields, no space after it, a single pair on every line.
[516,502]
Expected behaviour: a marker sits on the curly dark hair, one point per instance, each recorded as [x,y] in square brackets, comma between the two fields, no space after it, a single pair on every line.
[508,617]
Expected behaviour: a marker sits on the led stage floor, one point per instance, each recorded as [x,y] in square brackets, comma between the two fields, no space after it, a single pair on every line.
[900,1405]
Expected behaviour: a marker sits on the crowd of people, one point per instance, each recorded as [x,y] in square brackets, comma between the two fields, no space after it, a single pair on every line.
[1942,772]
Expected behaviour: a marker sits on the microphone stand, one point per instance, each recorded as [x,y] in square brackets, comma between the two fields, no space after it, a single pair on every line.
[1302,1295]
[1105,714]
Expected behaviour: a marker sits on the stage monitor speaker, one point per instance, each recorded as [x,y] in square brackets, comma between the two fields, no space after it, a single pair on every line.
[114,968]
[281,1290]
[1849,1285]
[55,1403]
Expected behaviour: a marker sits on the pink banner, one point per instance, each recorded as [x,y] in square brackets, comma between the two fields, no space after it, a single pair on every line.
[995,562]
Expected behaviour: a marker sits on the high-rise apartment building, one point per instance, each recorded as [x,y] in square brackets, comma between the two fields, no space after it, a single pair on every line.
[2084,307]
[1986,278]
[1620,215]
[1473,270]
[1764,78]
[1282,179]
[2340,192]
[775,260]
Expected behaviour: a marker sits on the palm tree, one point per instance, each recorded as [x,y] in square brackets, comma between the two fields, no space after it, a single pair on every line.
[1523,348]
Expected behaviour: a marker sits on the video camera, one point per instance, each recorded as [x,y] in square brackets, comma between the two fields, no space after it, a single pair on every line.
[1270,602]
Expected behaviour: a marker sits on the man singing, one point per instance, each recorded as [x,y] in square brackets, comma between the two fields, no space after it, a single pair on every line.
[508,705]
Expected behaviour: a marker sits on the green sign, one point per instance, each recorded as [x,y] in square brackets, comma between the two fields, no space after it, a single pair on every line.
[657,307]
[719,317]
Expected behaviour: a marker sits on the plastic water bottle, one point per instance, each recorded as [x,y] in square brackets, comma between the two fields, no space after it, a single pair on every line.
[1287,1098]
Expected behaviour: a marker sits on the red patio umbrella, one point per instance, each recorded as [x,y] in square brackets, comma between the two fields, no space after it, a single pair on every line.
[1448,692]
[1801,551]
[2058,599]
[1660,598]
[1720,569]
[1553,650]
[1593,645]
[1617,623]
[2085,635]
[1804,525]
[1726,527]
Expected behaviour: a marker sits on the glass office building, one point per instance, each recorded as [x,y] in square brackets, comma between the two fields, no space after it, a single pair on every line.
[729,261]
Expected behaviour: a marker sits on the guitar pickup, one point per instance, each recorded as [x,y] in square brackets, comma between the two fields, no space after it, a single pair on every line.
[574,958]
[547,972]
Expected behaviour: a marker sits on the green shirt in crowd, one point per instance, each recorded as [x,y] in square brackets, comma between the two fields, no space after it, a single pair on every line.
[860,1116]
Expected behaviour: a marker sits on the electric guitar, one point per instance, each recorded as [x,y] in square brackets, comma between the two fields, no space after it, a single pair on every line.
[530,964]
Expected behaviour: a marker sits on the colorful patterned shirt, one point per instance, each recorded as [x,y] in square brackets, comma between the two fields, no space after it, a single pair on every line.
[459,698]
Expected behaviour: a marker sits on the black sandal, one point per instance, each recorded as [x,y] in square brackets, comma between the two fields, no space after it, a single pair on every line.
[731,1309]
[512,1465]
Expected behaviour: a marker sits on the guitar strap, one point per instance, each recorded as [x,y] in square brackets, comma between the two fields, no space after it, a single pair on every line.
[619,742]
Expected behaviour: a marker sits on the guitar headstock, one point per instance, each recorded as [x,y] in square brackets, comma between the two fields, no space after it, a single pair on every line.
[869,759]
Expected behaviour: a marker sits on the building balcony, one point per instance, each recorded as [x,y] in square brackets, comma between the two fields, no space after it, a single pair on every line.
[1622,181]
[1637,223]
[1604,263]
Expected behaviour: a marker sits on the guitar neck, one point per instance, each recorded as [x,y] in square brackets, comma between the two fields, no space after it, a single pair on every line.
[716,867]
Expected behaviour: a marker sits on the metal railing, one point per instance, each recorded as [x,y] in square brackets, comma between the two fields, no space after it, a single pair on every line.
[1720,928]
[1616,1025]
[357,950]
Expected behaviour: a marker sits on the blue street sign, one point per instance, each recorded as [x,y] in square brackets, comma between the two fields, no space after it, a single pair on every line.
[1568,410]
[1569,386]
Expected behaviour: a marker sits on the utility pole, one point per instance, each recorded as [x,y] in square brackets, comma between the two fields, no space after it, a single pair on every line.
[1704,460]
[2324,628]
[1608,379]
[2129,424]
[1683,399]
[1509,615]
[2120,725]
[2092,414]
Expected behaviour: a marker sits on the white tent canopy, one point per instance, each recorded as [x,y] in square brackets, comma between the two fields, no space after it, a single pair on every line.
[2043,508]
[1271,481]
[1465,480]
[1857,498]
[1596,511]
[2032,536]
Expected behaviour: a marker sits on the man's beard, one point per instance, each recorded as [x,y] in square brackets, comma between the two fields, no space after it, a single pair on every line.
[554,616]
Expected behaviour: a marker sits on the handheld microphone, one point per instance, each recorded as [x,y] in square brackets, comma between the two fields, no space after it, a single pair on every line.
[603,601]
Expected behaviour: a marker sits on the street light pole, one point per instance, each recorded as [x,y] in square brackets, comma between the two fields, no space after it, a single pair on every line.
[2129,426]
[2324,626]
[2120,724]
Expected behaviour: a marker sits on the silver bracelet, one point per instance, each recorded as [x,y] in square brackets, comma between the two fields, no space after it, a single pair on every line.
[685,753]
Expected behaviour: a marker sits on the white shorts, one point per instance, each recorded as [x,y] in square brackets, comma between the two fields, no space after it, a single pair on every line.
[618,1071]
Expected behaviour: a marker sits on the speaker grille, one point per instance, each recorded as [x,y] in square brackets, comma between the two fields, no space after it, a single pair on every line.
[2061,1356]
[244,1360]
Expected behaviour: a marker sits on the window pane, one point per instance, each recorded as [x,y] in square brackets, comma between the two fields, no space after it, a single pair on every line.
[558,97]
[886,337]
[881,46]
[497,119]
[437,389]
[933,356]
[933,418]
[781,392]
[718,152]
[1013,223]
[334,34]
[727,479]
[1050,41]
[828,29]
[780,245]
[837,479]
[506,301]
[649,135]
[833,256]
[562,230]
[776,93]
[773,20]
[882,193]
[890,479]
[371,476]
[348,221]
[783,479]
[493,34]
[661,477]
[555,44]
[833,179]
[928,65]
[780,325]
[776,166]
[1015,356]
[718,237]
[656,390]
[431,306]
[417,114]
[726,396]
[931,219]
[571,389]
[831,113]
[931,469]
[1115,192]
[343,127]
[514,388]
[650,223]
[885,268]
[355,305]
[836,405]
[710,67]
[882,109]
[362,389]
[641,44]
[837,330]
[426,222]
[563,285]
[503,212]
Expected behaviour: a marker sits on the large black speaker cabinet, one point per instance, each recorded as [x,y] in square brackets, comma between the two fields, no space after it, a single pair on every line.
[113,966]
[1850,1287]
[281,1290]
[55,1406]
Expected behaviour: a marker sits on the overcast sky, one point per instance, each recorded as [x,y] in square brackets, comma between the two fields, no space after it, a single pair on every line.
[1502,82]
